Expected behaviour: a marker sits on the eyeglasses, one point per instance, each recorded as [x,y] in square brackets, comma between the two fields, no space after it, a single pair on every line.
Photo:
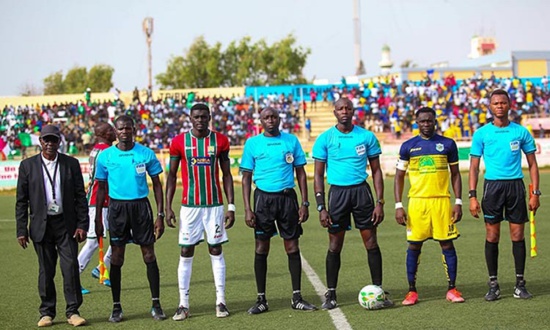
[50,139]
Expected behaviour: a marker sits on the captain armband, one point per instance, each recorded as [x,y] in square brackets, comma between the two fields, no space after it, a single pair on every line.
[402,165]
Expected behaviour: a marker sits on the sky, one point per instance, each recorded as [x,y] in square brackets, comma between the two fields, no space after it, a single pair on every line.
[40,37]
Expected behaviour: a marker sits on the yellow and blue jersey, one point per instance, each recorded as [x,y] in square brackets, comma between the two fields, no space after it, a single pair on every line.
[428,163]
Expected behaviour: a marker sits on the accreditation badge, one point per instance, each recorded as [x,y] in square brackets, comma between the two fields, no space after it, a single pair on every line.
[53,207]
[140,169]
[289,158]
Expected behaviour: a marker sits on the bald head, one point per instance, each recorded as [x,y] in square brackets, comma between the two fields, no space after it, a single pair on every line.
[105,133]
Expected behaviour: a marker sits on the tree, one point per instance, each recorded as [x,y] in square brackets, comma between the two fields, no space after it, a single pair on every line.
[53,84]
[29,89]
[100,78]
[242,63]
[201,67]
[284,62]
[76,80]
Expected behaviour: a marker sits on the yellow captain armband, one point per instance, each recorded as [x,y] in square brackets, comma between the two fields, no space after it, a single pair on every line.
[402,164]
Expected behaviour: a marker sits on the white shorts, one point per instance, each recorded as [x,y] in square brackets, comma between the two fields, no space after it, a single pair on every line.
[194,221]
[91,230]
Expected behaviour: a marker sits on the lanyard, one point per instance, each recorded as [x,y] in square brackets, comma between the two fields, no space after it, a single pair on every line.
[52,181]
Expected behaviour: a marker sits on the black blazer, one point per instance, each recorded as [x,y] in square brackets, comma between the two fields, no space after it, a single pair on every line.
[31,195]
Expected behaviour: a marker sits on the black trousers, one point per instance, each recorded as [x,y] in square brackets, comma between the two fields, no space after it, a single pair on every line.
[57,241]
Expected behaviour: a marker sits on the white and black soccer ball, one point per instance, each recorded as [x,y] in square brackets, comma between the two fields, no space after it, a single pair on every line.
[371,297]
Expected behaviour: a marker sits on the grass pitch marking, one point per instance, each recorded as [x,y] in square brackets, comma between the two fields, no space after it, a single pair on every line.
[338,318]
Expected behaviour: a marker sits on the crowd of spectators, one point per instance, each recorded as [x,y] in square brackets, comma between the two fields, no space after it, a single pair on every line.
[461,107]
[387,106]
[157,121]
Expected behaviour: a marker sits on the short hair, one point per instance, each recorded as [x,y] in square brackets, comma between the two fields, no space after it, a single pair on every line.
[425,110]
[499,91]
[199,106]
[125,119]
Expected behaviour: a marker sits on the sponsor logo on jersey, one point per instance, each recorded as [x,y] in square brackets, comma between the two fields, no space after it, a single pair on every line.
[426,164]
[200,161]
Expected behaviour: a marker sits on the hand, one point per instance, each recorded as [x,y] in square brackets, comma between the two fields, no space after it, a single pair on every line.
[229,219]
[303,214]
[99,226]
[401,216]
[325,219]
[80,235]
[23,241]
[457,213]
[475,209]
[159,227]
[250,218]
[170,218]
[534,203]
[378,214]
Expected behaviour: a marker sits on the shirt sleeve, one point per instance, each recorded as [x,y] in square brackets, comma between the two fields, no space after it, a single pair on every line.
[100,169]
[153,165]
[320,148]
[247,159]
[477,145]
[299,155]
[529,146]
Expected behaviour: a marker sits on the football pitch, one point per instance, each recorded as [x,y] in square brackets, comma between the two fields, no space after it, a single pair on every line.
[19,294]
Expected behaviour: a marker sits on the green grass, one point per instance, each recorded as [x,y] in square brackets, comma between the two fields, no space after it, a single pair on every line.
[19,297]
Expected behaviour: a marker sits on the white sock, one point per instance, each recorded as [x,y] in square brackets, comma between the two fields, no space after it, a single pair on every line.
[184,278]
[86,253]
[107,258]
[218,269]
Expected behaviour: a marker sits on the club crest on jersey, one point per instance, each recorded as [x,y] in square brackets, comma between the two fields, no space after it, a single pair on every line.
[211,150]
[289,158]
[514,145]
[360,149]
[439,147]
[200,161]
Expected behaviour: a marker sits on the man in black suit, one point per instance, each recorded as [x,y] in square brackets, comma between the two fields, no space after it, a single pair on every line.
[50,184]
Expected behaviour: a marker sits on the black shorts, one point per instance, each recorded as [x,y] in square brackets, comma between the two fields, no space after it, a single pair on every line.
[131,221]
[504,200]
[276,213]
[343,201]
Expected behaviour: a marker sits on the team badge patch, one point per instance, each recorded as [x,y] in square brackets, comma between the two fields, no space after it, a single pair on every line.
[289,158]
[360,149]
[211,150]
[439,147]
[514,145]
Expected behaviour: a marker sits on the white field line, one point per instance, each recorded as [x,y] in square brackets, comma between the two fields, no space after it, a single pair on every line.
[337,316]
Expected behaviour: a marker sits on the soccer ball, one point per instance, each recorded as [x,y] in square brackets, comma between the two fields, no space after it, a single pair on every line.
[371,297]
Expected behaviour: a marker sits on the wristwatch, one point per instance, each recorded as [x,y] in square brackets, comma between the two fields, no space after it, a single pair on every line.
[320,207]
[381,201]
[161,214]
[536,192]
[306,204]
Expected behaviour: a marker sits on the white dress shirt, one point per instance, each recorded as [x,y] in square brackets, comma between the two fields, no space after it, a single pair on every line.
[50,167]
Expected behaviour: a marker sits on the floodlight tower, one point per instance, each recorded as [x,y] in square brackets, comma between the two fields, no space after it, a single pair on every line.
[148,30]
[359,66]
